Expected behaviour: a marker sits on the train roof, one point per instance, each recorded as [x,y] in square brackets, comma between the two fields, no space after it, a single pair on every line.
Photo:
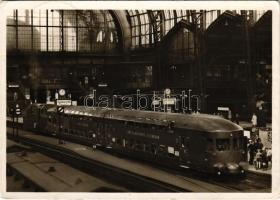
[198,122]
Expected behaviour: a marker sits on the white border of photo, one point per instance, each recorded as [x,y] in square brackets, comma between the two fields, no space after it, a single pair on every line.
[122,5]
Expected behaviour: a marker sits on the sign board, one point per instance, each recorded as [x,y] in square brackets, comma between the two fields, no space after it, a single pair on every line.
[223,108]
[265,135]
[60,109]
[102,85]
[64,102]
[155,102]
[247,134]
[169,101]
[27,96]
[13,86]
[18,111]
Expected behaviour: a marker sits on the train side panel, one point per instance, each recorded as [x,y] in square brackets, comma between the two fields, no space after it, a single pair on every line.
[170,146]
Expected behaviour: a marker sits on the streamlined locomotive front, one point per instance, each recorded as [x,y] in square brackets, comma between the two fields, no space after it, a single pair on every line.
[229,153]
[212,144]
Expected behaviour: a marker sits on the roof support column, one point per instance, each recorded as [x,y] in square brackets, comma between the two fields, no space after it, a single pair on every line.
[123,28]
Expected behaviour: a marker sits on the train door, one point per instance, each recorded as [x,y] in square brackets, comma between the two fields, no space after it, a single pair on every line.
[34,118]
[52,123]
[42,119]
[92,131]
[184,146]
[244,142]
[100,133]
[37,120]
[198,151]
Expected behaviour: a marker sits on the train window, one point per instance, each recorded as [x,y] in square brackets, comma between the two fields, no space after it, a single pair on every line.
[132,144]
[162,149]
[88,134]
[154,148]
[93,124]
[185,142]
[118,141]
[125,142]
[170,150]
[237,143]
[91,134]
[171,125]
[177,141]
[142,146]
[139,145]
[222,144]
[147,147]
[209,144]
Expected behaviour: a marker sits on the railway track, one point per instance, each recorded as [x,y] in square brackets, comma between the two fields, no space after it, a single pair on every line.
[251,182]
[131,181]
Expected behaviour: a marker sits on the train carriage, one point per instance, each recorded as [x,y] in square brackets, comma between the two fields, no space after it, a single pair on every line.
[203,142]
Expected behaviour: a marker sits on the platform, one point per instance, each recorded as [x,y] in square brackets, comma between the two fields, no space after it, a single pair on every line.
[36,168]
[251,168]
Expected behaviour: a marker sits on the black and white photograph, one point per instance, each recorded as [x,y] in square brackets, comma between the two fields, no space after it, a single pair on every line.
[140,100]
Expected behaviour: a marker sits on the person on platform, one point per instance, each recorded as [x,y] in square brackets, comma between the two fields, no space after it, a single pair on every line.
[261,118]
[258,159]
[254,120]
[251,149]
[264,159]
[269,157]
[259,144]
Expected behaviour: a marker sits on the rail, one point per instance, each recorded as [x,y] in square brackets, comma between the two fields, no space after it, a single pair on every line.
[132,181]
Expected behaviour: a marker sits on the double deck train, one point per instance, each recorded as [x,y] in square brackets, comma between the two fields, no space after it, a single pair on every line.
[202,142]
